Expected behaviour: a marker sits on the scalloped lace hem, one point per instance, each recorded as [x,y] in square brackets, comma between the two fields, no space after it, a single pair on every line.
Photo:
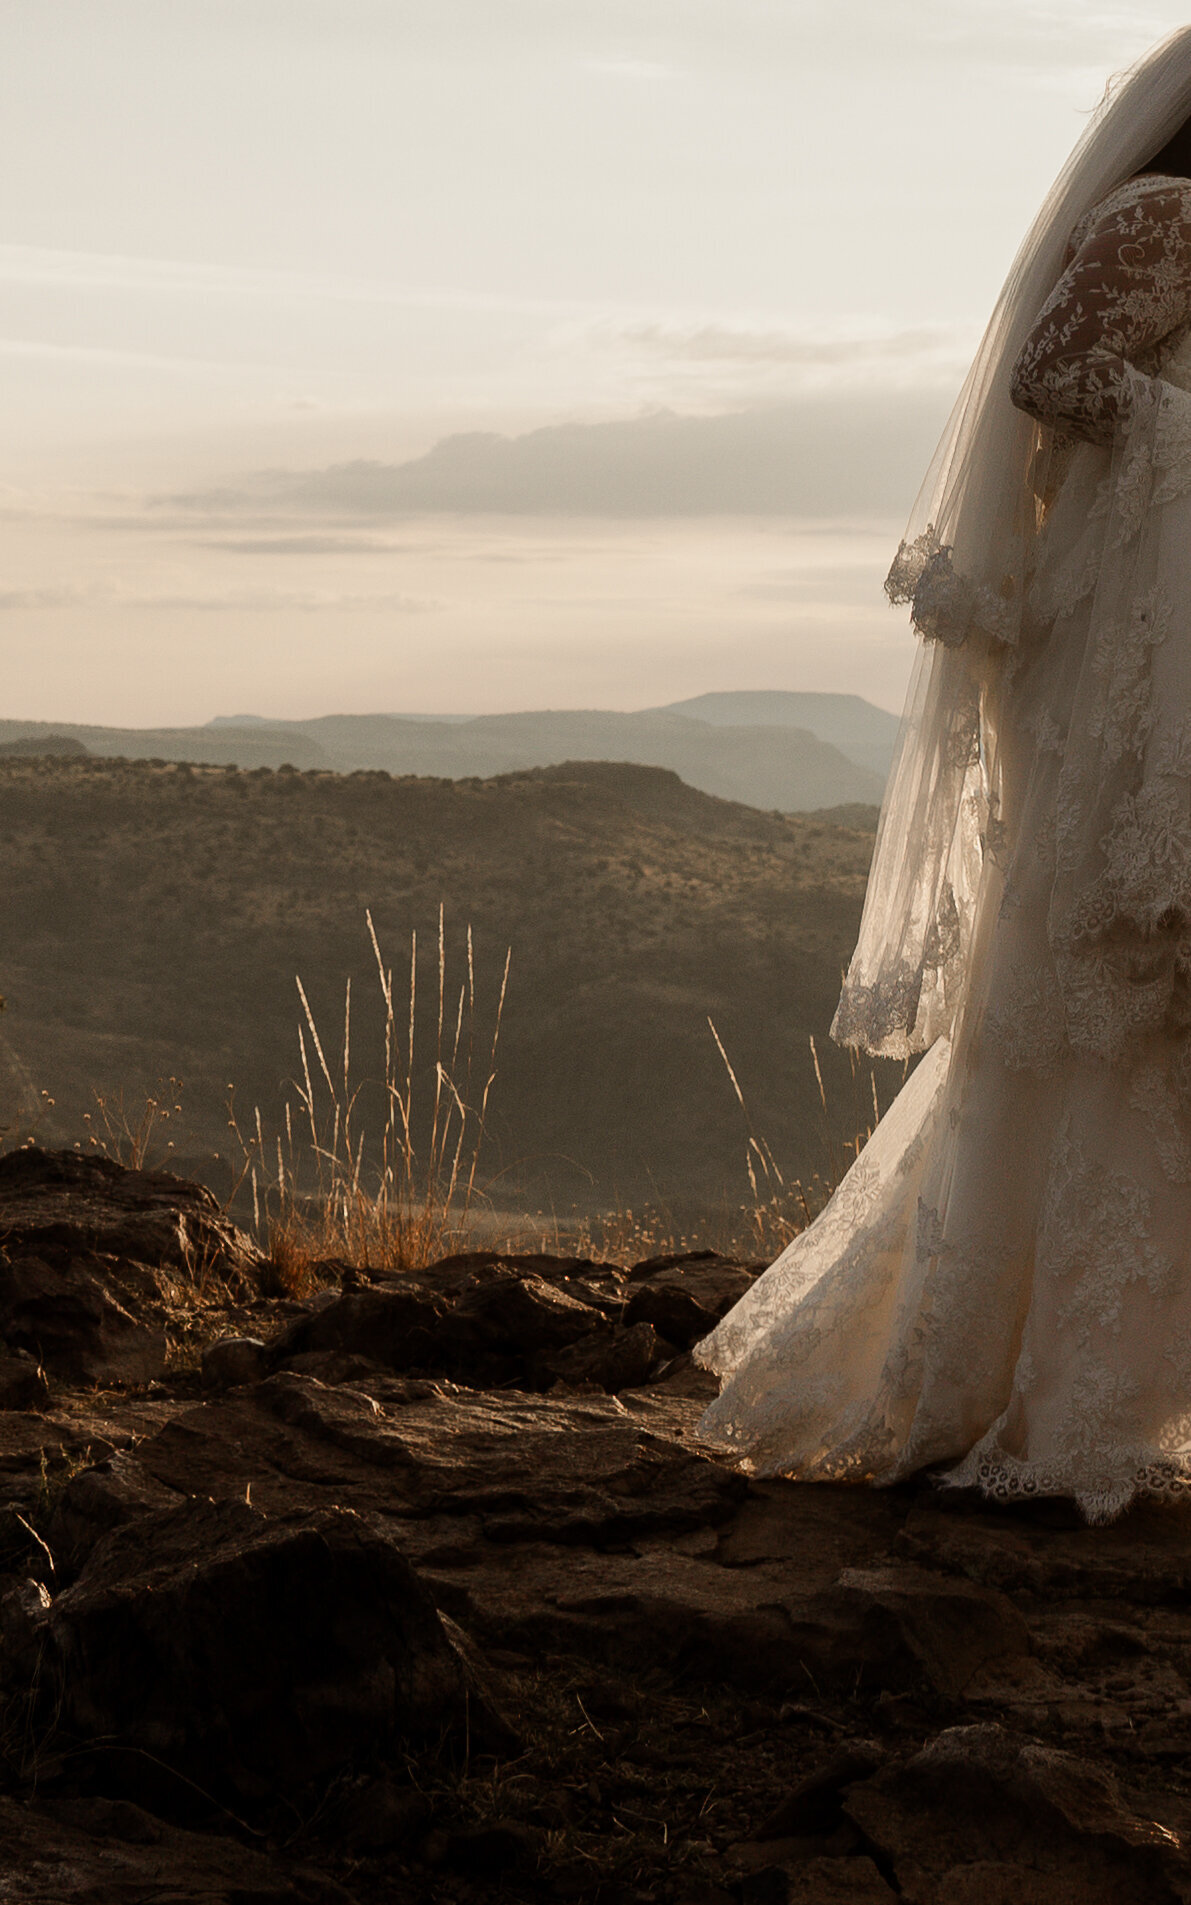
[1100,1498]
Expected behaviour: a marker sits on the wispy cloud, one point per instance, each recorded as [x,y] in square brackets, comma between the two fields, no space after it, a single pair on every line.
[849,355]
[48,598]
[847,455]
[251,601]
[103,354]
[302,601]
[73,271]
[1016,33]
[823,579]
[305,545]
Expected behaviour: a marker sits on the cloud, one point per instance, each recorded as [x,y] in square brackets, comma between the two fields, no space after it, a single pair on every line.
[1014,33]
[184,279]
[311,545]
[846,454]
[51,598]
[301,601]
[103,354]
[264,601]
[925,357]
[813,584]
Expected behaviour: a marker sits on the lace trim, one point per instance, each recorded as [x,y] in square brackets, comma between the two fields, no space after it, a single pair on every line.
[945,606]
[1125,291]
[1101,1498]
[880,1018]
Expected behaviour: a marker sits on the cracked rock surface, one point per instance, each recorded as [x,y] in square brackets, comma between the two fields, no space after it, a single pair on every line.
[436,1596]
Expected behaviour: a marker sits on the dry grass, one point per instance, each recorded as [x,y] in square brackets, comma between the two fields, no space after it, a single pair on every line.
[323,1192]
[314,1202]
[636,907]
[775,1211]
[779,1209]
[402,1196]
[129,1137]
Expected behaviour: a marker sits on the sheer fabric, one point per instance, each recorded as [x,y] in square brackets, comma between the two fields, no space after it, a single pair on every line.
[1003,1280]
[965,569]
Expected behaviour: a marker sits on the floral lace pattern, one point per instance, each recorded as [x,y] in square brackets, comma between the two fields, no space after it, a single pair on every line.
[1002,1283]
[1125,290]
[946,606]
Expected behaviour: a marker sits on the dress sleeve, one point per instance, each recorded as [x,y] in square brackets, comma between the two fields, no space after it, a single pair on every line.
[1127,286]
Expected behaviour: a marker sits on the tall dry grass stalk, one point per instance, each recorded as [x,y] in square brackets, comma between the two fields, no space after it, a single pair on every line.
[774,1212]
[778,1210]
[405,1196]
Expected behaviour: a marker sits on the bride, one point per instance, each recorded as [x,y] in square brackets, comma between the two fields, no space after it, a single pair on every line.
[1002,1282]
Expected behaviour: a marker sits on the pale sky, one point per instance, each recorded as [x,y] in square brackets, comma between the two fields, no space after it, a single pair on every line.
[661,304]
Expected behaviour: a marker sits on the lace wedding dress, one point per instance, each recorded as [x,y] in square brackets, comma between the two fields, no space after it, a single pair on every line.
[1003,1279]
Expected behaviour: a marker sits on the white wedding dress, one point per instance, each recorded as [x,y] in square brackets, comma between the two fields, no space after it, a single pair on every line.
[1002,1282]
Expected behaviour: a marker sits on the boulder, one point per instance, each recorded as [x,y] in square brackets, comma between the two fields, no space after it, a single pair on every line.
[981,1816]
[477,1473]
[497,1327]
[97,1500]
[713,1281]
[594,1282]
[209,1650]
[1144,1559]
[232,1360]
[23,1382]
[815,1807]
[380,1815]
[685,1296]
[506,1327]
[96,1851]
[843,1881]
[945,1629]
[611,1360]
[785,1874]
[494,1321]
[673,1312]
[72,1324]
[398,1327]
[64,1205]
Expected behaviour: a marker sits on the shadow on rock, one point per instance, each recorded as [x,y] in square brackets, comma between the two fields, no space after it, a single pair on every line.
[206,1653]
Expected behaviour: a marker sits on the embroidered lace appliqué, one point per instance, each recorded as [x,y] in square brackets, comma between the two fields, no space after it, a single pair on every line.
[945,606]
[1123,292]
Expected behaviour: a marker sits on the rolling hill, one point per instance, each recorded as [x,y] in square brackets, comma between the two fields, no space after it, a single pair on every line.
[156,916]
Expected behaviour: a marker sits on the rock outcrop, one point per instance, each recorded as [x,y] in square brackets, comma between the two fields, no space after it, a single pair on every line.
[84,1245]
[211,1650]
[412,1593]
[79,1205]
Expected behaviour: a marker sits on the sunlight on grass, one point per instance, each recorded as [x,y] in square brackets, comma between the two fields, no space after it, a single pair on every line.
[404,1195]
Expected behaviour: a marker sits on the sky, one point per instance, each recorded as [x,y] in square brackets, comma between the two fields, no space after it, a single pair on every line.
[475,355]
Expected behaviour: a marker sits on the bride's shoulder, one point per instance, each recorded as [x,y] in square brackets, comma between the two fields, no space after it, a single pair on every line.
[1160,194]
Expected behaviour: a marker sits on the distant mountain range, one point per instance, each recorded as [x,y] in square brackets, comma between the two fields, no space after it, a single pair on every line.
[785,752]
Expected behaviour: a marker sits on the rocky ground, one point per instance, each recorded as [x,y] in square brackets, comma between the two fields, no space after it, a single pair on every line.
[423,1589]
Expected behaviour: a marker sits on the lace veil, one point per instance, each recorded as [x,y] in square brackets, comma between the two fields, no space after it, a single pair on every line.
[965,567]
